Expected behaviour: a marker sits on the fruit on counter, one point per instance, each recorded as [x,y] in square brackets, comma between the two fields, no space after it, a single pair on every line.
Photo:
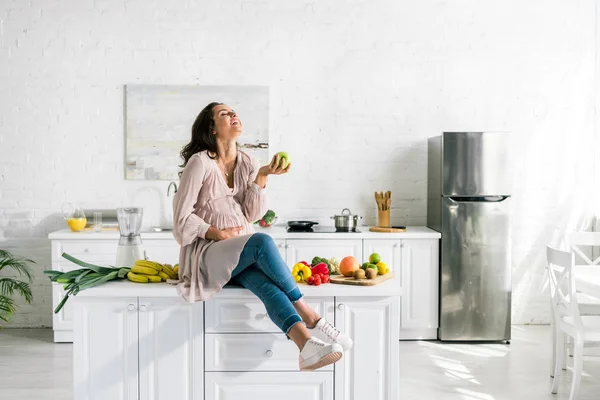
[301,272]
[137,269]
[163,276]
[317,260]
[268,219]
[368,265]
[382,268]
[284,159]
[168,269]
[371,273]
[139,278]
[359,274]
[374,258]
[176,269]
[348,265]
[154,278]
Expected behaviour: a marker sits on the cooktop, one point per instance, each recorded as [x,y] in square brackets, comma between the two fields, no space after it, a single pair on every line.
[321,229]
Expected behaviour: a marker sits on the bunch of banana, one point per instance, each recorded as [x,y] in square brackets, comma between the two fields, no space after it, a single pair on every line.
[145,271]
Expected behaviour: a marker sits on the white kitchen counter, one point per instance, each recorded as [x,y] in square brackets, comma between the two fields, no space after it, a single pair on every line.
[276,232]
[131,289]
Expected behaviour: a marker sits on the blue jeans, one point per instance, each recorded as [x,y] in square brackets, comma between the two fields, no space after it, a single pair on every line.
[262,270]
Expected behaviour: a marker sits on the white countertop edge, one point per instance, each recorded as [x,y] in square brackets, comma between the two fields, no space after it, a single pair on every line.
[131,289]
[276,232]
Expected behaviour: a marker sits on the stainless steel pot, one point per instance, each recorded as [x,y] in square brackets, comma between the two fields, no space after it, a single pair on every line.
[346,222]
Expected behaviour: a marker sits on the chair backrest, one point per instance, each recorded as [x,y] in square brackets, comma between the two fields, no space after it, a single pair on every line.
[577,240]
[562,284]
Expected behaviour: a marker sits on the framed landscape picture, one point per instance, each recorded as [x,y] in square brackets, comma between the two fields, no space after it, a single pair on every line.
[159,118]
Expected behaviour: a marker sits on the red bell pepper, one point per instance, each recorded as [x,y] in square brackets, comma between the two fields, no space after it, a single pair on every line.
[320,268]
[305,263]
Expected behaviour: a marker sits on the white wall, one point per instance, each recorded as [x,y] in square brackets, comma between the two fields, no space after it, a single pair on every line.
[356,89]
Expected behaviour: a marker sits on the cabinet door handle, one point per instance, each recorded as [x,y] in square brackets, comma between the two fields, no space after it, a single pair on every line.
[341,306]
[131,307]
[143,308]
[269,353]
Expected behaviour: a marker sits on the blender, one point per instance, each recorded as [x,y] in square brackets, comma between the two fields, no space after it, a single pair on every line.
[130,247]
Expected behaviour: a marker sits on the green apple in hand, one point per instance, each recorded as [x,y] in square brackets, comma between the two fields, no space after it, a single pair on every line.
[283,156]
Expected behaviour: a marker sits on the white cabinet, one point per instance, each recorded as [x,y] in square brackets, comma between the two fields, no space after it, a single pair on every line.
[247,314]
[170,342]
[306,249]
[269,386]
[138,348]
[105,349]
[390,252]
[370,369]
[415,264]
[100,252]
[420,283]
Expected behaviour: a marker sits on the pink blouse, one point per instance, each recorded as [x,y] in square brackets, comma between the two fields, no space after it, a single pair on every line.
[204,199]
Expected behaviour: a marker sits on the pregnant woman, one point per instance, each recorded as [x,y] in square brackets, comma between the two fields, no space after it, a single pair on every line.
[221,192]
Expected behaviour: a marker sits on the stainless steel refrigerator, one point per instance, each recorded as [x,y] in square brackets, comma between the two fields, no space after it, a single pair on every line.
[468,201]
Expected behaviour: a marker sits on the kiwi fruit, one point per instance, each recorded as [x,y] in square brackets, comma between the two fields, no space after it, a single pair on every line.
[359,274]
[371,273]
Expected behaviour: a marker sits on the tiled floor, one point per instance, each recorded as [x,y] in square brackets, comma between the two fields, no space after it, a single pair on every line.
[33,367]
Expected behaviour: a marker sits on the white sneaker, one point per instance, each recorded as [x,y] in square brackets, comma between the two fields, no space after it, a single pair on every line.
[330,334]
[316,354]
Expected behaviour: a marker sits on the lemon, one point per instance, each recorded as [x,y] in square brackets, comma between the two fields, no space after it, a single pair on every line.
[382,268]
[374,258]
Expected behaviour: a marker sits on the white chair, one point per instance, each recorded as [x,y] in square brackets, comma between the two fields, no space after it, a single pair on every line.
[587,305]
[585,330]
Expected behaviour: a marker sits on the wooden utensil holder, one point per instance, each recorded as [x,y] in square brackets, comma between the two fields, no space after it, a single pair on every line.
[383,218]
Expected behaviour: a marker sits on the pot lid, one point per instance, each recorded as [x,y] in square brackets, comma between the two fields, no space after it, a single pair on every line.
[345,215]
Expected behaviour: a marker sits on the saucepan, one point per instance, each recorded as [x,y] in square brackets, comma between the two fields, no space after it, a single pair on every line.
[301,224]
[345,222]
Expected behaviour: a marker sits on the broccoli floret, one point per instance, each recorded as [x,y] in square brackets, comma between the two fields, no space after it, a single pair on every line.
[269,216]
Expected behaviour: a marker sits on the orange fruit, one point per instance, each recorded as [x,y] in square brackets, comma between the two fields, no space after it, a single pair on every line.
[348,265]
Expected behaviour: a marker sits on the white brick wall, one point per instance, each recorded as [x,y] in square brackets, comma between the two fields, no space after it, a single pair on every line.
[356,89]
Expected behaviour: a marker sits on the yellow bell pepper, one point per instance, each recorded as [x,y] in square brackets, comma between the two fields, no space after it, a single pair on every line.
[301,272]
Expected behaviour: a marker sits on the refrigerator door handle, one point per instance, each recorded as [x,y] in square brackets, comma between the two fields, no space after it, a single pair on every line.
[478,199]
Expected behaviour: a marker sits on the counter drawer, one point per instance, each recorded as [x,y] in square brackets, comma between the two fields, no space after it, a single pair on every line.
[316,385]
[248,315]
[82,248]
[251,352]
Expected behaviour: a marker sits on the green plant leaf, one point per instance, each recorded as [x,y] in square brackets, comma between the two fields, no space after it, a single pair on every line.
[7,308]
[20,265]
[52,274]
[95,268]
[83,274]
[61,304]
[10,286]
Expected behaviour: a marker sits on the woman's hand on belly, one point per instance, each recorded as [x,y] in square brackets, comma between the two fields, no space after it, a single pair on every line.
[222,234]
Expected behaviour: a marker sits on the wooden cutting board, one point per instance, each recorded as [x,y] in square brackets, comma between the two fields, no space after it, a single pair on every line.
[380,229]
[342,280]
